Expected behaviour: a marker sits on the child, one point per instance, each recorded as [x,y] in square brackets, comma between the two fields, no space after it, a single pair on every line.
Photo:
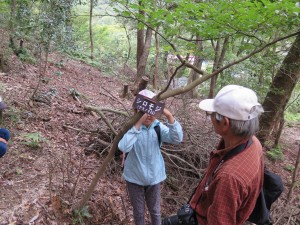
[144,168]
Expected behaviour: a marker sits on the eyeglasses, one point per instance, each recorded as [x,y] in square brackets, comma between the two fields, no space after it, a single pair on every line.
[213,115]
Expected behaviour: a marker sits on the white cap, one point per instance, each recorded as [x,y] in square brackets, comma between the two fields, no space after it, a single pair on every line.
[147,93]
[235,102]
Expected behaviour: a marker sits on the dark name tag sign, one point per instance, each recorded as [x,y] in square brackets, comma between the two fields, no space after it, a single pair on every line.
[148,105]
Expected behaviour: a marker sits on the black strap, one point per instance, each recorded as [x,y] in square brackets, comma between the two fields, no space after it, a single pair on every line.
[237,150]
[157,130]
[233,152]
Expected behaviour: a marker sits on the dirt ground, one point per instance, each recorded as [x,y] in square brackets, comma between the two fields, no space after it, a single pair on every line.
[57,146]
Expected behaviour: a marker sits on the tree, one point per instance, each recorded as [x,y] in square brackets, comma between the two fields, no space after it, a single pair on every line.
[279,93]
[247,22]
[12,25]
[246,28]
[91,28]
[220,22]
[219,58]
[155,74]
[164,94]
[198,60]
[142,60]
[143,44]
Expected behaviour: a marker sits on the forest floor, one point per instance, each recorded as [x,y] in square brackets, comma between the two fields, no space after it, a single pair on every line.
[56,148]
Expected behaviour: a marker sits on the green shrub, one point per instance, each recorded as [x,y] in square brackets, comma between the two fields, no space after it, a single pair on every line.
[14,114]
[289,167]
[275,154]
[292,117]
[33,139]
[58,73]
[25,56]
[79,215]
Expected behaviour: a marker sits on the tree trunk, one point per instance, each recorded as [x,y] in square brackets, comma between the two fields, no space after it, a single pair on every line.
[2,63]
[91,29]
[129,46]
[125,90]
[140,45]
[197,63]
[294,177]
[213,80]
[218,62]
[12,15]
[69,25]
[280,129]
[140,37]
[280,92]
[141,70]
[155,75]
[143,82]
[11,25]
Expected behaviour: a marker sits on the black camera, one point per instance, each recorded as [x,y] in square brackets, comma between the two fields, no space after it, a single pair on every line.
[185,216]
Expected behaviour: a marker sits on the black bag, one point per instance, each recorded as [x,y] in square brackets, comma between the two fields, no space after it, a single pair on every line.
[272,189]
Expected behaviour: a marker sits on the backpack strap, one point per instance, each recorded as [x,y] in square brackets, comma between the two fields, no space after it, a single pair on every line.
[157,130]
[238,149]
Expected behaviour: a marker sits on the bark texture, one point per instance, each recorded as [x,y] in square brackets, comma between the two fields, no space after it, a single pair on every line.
[279,93]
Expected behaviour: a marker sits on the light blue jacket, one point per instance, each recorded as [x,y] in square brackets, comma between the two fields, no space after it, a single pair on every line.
[144,164]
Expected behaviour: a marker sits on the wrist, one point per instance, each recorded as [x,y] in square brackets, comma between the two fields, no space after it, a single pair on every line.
[138,125]
[171,119]
[3,140]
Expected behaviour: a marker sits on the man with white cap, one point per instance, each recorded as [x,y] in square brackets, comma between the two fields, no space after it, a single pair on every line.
[144,168]
[234,177]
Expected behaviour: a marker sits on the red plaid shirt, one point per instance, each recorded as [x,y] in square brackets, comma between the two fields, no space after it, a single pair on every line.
[231,194]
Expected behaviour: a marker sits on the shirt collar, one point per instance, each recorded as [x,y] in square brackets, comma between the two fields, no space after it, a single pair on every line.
[221,151]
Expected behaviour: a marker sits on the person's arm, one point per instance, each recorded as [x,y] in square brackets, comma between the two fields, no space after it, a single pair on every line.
[169,116]
[172,132]
[140,121]
[128,140]
[3,140]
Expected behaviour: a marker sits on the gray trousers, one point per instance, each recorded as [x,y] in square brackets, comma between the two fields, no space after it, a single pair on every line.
[139,195]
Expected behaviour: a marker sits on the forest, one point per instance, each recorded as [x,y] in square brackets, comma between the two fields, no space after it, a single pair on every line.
[70,70]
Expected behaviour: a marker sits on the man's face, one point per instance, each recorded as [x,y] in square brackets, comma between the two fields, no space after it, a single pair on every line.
[149,120]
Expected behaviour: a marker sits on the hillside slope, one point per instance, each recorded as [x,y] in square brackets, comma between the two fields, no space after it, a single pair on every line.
[56,146]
